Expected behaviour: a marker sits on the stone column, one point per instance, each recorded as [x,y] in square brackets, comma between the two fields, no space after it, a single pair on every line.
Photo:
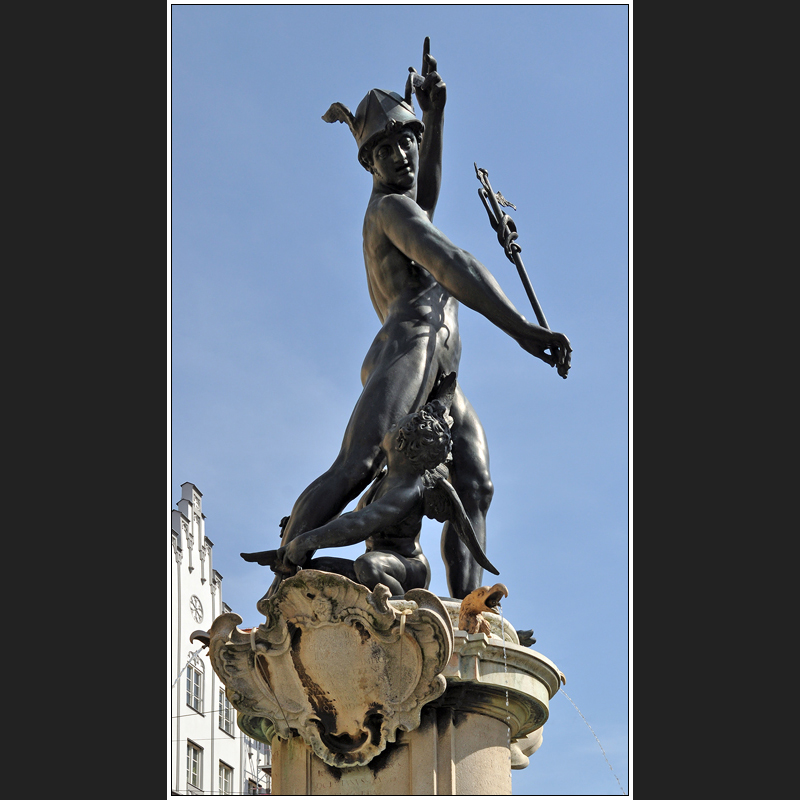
[451,752]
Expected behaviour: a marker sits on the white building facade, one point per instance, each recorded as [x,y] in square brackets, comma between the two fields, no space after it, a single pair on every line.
[209,753]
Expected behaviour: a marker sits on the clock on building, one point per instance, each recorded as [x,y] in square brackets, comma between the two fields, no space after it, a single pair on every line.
[196,608]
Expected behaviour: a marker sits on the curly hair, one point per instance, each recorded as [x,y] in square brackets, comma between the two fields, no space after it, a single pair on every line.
[426,436]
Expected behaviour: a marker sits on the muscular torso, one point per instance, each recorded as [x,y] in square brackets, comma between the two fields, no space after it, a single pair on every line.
[413,307]
[402,539]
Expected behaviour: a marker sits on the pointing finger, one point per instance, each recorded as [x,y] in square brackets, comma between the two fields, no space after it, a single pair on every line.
[426,54]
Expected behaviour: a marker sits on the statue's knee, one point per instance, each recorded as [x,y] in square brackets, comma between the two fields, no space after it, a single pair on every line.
[480,491]
[354,474]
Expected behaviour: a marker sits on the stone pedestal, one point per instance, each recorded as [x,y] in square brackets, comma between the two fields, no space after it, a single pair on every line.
[361,694]
[451,752]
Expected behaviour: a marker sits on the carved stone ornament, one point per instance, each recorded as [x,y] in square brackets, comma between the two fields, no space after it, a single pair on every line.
[335,663]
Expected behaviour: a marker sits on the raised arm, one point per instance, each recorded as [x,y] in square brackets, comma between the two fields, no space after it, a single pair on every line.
[431,98]
[410,230]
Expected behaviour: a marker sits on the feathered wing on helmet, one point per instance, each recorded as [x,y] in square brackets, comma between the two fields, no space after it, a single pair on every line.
[338,112]
[377,113]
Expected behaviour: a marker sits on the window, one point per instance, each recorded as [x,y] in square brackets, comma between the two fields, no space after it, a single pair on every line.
[225,713]
[259,747]
[194,764]
[194,686]
[225,778]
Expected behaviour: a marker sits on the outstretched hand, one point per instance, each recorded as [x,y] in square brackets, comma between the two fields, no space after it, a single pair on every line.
[278,560]
[562,354]
[291,556]
[432,94]
[551,347]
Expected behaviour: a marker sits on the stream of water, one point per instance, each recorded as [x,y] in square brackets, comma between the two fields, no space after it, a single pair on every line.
[505,670]
[595,738]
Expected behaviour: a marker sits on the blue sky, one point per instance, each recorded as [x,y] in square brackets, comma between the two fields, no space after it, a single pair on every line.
[270,317]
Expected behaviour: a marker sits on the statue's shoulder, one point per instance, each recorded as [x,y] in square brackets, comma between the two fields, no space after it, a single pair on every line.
[391,204]
[392,209]
[380,210]
[388,214]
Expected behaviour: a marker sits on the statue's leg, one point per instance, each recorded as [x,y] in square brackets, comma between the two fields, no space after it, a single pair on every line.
[341,566]
[398,380]
[469,474]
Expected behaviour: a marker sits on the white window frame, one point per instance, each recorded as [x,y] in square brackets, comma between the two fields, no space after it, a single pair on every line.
[225,776]
[226,720]
[194,765]
[194,686]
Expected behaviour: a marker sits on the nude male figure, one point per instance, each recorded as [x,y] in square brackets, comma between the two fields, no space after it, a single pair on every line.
[417,278]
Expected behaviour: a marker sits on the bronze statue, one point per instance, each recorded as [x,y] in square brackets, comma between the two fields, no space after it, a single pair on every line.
[416,278]
[389,515]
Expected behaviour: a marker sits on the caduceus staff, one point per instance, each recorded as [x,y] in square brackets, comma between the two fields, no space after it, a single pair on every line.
[507,235]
